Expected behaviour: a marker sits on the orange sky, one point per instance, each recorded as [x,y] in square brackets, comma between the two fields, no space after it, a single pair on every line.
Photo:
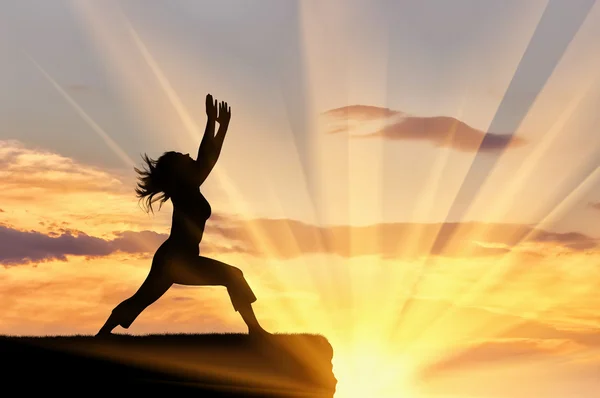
[503,295]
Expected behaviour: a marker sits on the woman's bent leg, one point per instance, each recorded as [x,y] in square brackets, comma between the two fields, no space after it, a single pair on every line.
[204,271]
[127,311]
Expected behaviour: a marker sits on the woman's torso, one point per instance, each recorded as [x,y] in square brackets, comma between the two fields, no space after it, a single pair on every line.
[190,212]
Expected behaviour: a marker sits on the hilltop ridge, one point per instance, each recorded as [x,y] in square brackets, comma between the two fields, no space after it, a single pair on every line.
[215,365]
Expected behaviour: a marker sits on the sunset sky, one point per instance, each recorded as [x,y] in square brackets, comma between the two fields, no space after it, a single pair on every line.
[418,181]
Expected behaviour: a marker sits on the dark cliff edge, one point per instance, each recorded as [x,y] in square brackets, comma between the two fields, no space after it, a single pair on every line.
[211,365]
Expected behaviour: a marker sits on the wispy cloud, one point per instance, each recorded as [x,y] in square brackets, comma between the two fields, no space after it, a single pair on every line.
[441,131]
[21,247]
[361,112]
[284,238]
[47,196]
[43,171]
[572,240]
[486,341]
[497,350]
[527,339]
[39,186]
[594,205]
[18,247]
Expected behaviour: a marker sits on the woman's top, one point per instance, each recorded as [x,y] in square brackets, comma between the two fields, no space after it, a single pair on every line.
[190,212]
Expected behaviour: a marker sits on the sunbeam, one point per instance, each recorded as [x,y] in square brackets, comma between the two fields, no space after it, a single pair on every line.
[496,272]
[225,182]
[509,116]
[90,122]
[190,126]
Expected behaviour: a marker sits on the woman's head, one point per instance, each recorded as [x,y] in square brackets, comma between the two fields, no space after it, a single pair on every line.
[159,178]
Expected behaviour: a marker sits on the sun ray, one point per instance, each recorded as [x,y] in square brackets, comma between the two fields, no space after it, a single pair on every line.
[500,268]
[317,53]
[190,125]
[415,240]
[89,121]
[496,270]
[194,133]
[520,306]
[302,313]
[367,78]
[226,183]
[568,202]
[508,117]
[417,236]
[295,84]
[515,106]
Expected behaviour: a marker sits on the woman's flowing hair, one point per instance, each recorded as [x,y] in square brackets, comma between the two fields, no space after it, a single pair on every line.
[154,180]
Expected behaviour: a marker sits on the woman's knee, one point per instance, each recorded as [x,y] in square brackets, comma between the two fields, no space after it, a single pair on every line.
[236,272]
[234,278]
[126,312]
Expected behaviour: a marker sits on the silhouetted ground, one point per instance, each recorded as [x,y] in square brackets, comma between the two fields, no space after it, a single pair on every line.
[215,365]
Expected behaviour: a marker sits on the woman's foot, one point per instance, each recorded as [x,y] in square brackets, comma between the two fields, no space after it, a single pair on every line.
[258,331]
[104,332]
[110,324]
[254,327]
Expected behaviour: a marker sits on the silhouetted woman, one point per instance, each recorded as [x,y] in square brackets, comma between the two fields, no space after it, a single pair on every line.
[178,177]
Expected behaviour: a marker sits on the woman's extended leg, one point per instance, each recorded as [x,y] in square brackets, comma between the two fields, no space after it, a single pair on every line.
[125,313]
[204,271]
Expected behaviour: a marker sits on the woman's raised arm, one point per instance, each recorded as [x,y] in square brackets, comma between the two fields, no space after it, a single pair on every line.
[210,147]
[223,119]
[209,132]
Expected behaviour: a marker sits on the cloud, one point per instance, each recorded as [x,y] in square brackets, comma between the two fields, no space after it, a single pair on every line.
[22,247]
[284,238]
[516,339]
[39,186]
[442,131]
[361,112]
[47,192]
[594,205]
[80,197]
[31,246]
[572,240]
[448,132]
[512,350]
[42,172]
[495,351]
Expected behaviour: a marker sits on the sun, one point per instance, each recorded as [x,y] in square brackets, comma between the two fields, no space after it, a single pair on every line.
[363,371]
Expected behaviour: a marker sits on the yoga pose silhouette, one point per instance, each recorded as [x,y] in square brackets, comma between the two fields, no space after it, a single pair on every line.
[178,177]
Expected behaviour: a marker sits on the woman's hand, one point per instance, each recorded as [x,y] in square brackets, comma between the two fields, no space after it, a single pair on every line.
[224,114]
[211,108]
